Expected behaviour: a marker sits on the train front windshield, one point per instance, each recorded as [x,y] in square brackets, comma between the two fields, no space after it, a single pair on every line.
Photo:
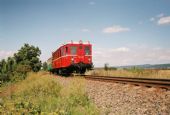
[87,50]
[73,50]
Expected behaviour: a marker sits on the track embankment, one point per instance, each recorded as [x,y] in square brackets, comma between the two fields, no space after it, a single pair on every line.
[113,98]
[126,99]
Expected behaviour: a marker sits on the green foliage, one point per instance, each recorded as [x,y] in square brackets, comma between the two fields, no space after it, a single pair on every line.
[25,60]
[29,55]
[17,77]
[10,64]
[136,70]
[3,66]
[42,94]
[45,67]
[113,68]
[23,68]
[6,69]
[4,77]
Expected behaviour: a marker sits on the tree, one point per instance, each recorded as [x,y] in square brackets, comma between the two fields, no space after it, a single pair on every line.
[23,69]
[3,66]
[45,66]
[25,60]
[106,66]
[10,64]
[29,55]
[4,73]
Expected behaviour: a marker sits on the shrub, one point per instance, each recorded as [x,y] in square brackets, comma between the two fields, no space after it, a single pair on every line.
[23,69]
[40,93]
[136,70]
[106,66]
[113,68]
[25,60]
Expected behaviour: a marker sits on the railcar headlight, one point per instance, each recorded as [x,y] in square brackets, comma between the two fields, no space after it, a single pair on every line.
[89,59]
[72,59]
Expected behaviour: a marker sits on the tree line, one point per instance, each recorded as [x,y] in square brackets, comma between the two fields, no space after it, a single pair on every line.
[16,67]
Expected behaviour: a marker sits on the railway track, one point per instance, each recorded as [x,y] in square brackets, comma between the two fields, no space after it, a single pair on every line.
[158,83]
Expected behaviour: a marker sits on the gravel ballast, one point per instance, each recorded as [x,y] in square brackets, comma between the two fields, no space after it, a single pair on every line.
[125,99]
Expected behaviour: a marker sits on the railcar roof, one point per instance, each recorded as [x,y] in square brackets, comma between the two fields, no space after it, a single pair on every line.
[73,43]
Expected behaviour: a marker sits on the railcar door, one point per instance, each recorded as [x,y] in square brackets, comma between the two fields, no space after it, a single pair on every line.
[87,53]
[81,53]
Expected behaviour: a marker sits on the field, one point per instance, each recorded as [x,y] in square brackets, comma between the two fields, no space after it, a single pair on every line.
[41,93]
[139,73]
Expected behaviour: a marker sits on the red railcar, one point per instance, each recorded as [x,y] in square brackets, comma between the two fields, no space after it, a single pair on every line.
[72,57]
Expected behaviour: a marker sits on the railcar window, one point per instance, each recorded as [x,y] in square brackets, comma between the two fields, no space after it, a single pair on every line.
[73,50]
[66,50]
[87,50]
[62,51]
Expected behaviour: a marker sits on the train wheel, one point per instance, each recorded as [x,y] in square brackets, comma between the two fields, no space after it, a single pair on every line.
[60,72]
[82,71]
[52,71]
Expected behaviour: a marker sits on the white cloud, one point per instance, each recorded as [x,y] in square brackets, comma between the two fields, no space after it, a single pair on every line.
[157,17]
[4,54]
[164,21]
[85,30]
[130,56]
[115,29]
[92,3]
[121,49]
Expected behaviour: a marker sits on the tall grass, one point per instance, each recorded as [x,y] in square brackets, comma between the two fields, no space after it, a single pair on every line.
[141,73]
[41,93]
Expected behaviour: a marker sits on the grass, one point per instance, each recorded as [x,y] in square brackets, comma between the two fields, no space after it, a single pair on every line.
[41,93]
[162,74]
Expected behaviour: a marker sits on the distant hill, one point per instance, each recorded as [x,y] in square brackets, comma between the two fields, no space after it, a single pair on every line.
[148,66]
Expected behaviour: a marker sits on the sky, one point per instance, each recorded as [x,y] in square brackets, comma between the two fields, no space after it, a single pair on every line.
[122,32]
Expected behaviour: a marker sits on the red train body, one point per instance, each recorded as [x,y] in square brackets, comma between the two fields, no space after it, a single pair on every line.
[72,57]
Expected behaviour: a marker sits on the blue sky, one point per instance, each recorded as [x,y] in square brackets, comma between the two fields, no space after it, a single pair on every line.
[123,32]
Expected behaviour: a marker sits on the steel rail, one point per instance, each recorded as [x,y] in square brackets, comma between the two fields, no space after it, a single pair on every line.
[148,82]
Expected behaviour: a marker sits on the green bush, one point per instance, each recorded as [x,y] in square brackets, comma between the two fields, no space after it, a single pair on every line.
[136,70]
[42,94]
[113,68]
[25,60]
[106,66]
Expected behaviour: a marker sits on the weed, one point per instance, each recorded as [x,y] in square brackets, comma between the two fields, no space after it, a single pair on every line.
[41,93]
[132,72]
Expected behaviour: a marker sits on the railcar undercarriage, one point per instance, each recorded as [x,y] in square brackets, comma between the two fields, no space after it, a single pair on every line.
[79,68]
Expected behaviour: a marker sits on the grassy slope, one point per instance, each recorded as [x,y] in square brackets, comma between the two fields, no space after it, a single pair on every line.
[41,94]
